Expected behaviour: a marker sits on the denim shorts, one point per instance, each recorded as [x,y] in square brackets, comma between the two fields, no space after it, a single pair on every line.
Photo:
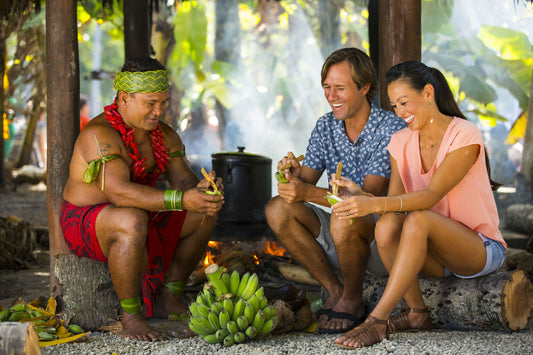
[495,258]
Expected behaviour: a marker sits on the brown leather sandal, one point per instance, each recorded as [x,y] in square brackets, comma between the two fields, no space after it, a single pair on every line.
[400,323]
[366,334]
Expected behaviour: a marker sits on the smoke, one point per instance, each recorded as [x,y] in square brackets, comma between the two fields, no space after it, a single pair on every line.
[279,92]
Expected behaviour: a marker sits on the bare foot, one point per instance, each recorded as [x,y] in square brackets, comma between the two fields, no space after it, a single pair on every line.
[343,306]
[168,303]
[134,326]
[330,303]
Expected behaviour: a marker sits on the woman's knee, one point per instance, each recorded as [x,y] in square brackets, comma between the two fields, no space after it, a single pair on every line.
[416,222]
[386,230]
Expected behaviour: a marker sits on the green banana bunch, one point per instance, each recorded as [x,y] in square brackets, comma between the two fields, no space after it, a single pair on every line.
[231,309]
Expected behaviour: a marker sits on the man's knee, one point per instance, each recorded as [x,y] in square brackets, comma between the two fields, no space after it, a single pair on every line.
[128,225]
[356,232]
[276,212]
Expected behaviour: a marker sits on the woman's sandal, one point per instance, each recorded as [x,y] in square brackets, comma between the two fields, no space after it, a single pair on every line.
[400,323]
[366,334]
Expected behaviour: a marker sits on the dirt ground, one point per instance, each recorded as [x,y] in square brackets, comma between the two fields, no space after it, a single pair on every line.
[27,203]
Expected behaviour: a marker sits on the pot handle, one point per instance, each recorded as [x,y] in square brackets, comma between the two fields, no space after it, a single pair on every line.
[229,167]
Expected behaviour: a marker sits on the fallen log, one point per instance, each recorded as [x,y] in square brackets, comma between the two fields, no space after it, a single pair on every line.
[519,217]
[498,301]
[19,338]
[88,297]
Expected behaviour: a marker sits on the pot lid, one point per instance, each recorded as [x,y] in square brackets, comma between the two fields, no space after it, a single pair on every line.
[240,154]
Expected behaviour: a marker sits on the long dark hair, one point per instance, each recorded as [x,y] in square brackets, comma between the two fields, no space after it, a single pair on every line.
[417,75]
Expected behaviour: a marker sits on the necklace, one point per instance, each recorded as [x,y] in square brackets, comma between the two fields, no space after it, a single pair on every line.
[433,145]
[138,173]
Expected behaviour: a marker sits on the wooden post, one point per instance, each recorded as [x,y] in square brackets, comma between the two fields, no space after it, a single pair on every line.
[19,338]
[63,121]
[137,31]
[88,295]
[399,37]
[527,154]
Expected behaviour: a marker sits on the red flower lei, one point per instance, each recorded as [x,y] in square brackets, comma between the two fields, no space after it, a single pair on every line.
[138,173]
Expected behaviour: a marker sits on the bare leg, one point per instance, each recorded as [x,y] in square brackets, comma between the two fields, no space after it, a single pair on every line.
[388,232]
[351,242]
[296,227]
[122,236]
[449,243]
[190,248]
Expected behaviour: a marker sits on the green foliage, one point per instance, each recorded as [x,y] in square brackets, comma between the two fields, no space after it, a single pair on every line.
[496,57]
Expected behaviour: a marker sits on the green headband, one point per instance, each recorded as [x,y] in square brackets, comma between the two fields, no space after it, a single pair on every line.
[142,81]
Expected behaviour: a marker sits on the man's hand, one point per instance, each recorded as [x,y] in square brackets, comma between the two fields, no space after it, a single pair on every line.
[209,180]
[196,200]
[293,191]
[295,170]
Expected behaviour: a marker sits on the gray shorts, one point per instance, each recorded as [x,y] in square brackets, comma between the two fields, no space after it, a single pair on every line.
[374,264]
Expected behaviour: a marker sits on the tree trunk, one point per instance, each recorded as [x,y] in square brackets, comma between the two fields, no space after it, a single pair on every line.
[399,37]
[63,120]
[330,35]
[29,136]
[137,31]
[19,338]
[527,154]
[498,301]
[2,72]
[88,296]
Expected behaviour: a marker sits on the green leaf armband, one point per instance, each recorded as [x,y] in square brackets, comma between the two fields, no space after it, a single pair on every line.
[131,305]
[175,287]
[172,199]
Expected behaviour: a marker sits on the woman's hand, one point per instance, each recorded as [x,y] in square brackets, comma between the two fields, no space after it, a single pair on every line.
[347,187]
[355,206]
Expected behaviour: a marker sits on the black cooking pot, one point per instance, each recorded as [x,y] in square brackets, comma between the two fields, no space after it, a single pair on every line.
[247,180]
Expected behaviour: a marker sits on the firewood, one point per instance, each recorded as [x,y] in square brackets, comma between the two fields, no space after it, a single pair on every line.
[295,273]
[19,338]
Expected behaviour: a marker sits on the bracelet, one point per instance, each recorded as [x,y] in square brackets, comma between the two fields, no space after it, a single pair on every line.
[401,203]
[131,305]
[385,211]
[172,199]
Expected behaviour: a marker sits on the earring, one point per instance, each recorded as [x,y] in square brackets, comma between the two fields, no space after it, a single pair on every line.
[431,120]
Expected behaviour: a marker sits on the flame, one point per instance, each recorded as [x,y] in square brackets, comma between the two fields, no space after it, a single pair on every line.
[208,260]
[274,248]
[213,244]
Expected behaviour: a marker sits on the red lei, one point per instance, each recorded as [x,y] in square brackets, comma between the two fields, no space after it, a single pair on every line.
[138,173]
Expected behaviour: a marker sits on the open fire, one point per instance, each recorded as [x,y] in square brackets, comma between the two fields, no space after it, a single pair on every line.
[266,248]
[262,257]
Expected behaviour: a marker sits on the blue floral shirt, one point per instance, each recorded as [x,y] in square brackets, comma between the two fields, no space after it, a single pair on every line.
[368,155]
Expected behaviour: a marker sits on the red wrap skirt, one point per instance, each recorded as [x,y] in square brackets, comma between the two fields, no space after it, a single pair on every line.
[164,228]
